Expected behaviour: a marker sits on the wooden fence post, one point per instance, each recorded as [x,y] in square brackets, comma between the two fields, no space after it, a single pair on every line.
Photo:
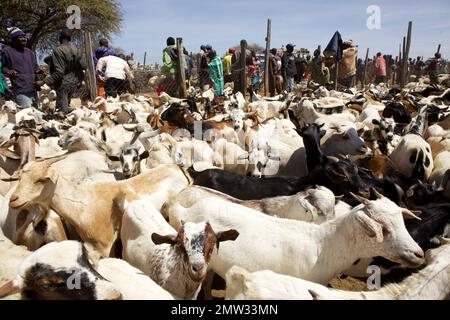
[180,69]
[266,59]
[406,54]
[439,49]
[365,69]
[145,58]
[91,74]
[243,75]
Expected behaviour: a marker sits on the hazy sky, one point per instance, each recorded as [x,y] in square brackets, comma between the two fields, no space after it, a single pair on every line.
[223,23]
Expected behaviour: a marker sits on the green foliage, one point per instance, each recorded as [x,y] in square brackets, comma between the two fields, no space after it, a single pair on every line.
[44,19]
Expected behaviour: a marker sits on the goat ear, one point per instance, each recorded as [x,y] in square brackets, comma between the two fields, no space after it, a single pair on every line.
[229,235]
[243,156]
[52,175]
[410,191]
[144,155]
[372,228]
[322,134]
[159,239]
[113,158]
[9,154]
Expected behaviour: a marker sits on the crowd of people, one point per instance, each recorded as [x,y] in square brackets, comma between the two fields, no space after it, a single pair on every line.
[21,76]
[287,67]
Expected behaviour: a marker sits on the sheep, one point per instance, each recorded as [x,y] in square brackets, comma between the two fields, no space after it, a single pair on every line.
[176,261]
[312,205]
[312,252]
[91,208]
[430,283]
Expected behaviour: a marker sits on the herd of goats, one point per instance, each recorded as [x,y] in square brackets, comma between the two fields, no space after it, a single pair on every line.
[156,197]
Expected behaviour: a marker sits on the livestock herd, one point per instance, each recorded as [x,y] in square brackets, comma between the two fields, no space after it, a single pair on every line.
[154,197]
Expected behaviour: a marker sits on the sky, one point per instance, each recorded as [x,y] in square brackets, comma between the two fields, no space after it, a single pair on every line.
[307,24]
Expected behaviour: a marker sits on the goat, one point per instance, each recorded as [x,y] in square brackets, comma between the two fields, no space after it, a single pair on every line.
[301,249]
[177,261]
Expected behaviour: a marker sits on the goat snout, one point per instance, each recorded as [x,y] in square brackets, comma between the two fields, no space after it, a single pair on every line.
[413,259]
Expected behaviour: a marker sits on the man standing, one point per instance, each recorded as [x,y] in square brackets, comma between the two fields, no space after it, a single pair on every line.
[215,72]
[20,66]
[227,72]
[169,69]
[379,69]
[99,53]
[66,71]
[433,67]
[418,67]
[117,71]
[347,65]
[273,72]
[288,67]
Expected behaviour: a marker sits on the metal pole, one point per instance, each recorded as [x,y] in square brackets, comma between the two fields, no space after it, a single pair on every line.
[145,57]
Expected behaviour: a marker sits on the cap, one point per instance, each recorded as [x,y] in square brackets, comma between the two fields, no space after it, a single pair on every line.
[208,47]
[232,50]
[290,45]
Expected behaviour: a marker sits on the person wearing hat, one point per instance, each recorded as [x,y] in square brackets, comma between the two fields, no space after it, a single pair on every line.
[227,71]
[20,66]
[66,71]
[288,68]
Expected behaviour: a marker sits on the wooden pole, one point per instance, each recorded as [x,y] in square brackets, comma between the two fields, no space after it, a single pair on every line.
[145,57]
[406,54]
[439,48]
[243,75]
[336,69]
[91,74]
[365,69]
[266,59]
[180,69]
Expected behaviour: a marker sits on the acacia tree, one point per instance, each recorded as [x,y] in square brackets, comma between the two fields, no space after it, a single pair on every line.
[44,19]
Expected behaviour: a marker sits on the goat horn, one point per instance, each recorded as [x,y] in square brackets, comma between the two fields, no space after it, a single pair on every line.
[442,241]
[8,289]
[334,159]
[364,201]
[377,194]
[409,214]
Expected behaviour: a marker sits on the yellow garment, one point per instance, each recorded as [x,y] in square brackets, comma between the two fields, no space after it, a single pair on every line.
[347,65]
[227,65]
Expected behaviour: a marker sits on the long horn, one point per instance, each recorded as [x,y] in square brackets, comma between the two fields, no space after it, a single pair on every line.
[408,214]
[52,160]
[377,194]
[364,201]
